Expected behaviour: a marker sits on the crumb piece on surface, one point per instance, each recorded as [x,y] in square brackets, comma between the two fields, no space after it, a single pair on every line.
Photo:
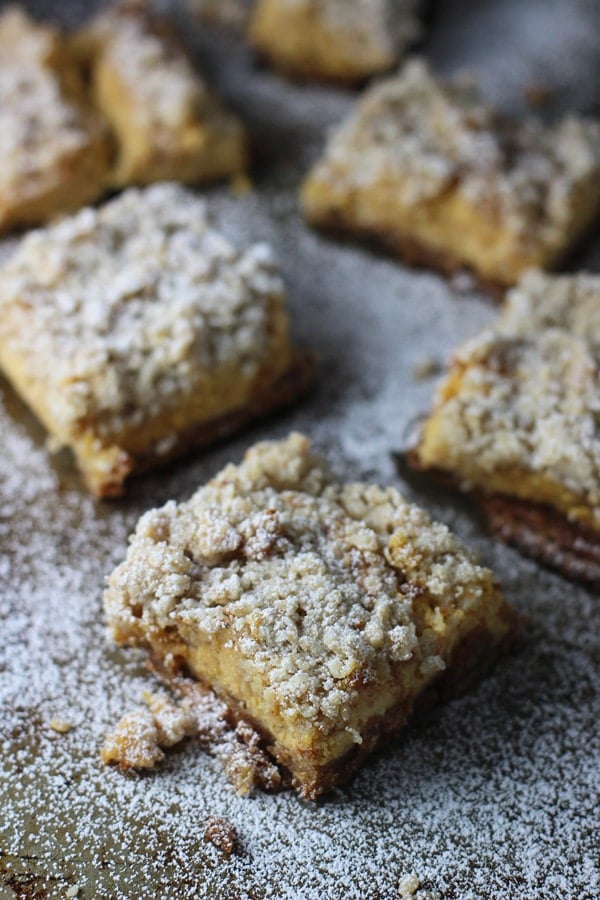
[134,744]
[246,765]
[407,886]
[221,834]
[141,736]
[60,726]
[72,891]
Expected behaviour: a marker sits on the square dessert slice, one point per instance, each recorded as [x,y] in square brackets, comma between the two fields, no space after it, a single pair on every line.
[434,173]
[322,613]
[516,421]
[334,40]
[136,331]
[168,125]
[53,149]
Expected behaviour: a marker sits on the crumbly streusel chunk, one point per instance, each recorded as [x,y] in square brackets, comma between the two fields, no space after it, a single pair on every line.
[52,148]
[519,411]
[430,164]
[297,597]
[344,40]
[167,122]
[126,326]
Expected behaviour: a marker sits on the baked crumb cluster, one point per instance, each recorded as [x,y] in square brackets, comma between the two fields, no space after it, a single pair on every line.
[524,396]
[37,124]
[119,312]
[312,582]
[439,135]
[141,736]
[384,26]
[422,161]
[167,123]
[152,68]
[343,40]
[43,129]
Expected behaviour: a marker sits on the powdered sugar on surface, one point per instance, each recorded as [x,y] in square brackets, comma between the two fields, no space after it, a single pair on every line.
[493,796]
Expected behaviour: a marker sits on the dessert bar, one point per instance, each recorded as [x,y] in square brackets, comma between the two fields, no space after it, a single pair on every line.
[136,331]
[430,170]
[516,422]
[323,614]
[54,150]
[334,40]
[168,124]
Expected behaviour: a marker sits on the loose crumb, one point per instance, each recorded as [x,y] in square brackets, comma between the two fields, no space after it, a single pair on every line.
[141,736]
[221,834]
[73,891]
[407,886]
[61,726]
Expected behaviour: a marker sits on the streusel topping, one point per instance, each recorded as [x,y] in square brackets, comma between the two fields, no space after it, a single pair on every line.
[530,389]
[313,581]
[382,25]
[435,136]
[153,68]
[122,311]
[38,126]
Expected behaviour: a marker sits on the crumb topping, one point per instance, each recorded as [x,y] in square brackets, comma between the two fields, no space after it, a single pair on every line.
[436,136]
[122,311]
[378,25]
[313,582]
[152,68]
[529,389]
[39,127]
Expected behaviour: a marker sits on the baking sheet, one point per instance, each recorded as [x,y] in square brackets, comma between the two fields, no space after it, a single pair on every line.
[496,794]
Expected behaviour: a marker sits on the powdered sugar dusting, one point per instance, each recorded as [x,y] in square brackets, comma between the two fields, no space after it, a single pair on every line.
[494,796]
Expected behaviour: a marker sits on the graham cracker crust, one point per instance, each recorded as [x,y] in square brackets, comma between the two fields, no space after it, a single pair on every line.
[537,530]
[543,533]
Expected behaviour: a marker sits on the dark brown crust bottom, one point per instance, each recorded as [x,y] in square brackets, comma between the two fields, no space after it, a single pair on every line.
[290,387]
[471,661]
[412,252]
[536,529]
[541,532]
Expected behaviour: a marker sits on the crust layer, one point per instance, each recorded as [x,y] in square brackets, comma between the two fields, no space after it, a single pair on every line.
[543,533]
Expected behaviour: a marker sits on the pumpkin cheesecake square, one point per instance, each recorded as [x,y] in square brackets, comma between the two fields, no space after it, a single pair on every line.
[137,331]
[516,421]
[321,613]
[53,148]
[334,40]
[433,172]
[167,123]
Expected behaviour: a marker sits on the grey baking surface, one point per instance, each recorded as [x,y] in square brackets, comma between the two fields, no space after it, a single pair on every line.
[496,795]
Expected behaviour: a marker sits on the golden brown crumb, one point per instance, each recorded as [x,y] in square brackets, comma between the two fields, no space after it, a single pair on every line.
[60,726]
[221,834]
